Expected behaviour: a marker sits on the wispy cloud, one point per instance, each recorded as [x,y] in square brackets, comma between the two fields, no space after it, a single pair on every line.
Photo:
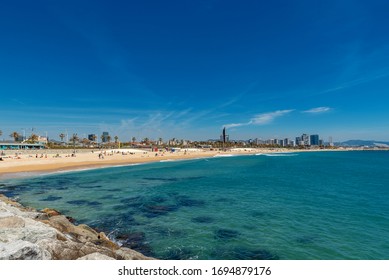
[261,119]
[318,110]
[354,83]
[231,125]
[266,118]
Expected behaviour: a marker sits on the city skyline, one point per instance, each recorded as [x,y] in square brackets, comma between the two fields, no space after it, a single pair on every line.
[186,70]
[105,137]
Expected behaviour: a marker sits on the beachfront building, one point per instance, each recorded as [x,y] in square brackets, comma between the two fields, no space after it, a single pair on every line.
[20,146]
[20,138]
[314,140]
[173,142]
[42,140]
[306,141]
[258,141]
[92,137]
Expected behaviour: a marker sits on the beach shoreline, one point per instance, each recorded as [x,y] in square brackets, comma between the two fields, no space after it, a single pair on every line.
[48,161]
[29,163]
[21,163]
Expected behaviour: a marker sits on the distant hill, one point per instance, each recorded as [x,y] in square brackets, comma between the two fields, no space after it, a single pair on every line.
[370,143]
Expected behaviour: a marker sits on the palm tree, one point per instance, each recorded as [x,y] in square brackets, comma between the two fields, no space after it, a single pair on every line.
[74,138]
[94,137]
[15,135]
[33,138]
[62,136]
[1,133]
[146,140]
[160,141]
[85,142]
[116,139]
[133,139]
[109,138]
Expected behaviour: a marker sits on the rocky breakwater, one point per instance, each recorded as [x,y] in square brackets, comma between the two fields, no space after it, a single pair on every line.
[28,234]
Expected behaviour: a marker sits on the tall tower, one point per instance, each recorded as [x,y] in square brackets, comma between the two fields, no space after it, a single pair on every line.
[330,141]
[224,137]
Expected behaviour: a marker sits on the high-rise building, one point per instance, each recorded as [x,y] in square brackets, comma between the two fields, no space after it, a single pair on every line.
[314,140]
[92,137]
[224,136]
[104,138]
[305,140]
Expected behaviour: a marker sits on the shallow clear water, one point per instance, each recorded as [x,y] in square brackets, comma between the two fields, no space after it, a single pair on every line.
[317,205]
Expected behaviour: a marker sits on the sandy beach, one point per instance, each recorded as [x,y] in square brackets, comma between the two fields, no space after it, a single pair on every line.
[42,161]
[30,162]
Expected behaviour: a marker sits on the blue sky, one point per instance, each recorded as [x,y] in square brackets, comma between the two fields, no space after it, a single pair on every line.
[185,69]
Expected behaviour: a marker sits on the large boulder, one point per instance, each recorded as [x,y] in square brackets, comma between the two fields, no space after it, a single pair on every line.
[11,222]
[22,250]
[26,234]
[82,233]
[30,233]
[70,250]
[95,256]
[128,254]
[51,212]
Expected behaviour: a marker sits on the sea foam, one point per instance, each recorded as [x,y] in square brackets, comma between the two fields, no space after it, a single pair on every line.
[279,155]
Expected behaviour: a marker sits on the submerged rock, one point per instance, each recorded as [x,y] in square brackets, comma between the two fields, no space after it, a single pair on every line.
[84,202]
[186,201]
[136,241]
[51,198]
[243,253]
[226,234]
[178,254]
[203,220]
[152,211]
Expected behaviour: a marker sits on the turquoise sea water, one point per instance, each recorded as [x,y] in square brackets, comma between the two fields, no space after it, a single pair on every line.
[317,205]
